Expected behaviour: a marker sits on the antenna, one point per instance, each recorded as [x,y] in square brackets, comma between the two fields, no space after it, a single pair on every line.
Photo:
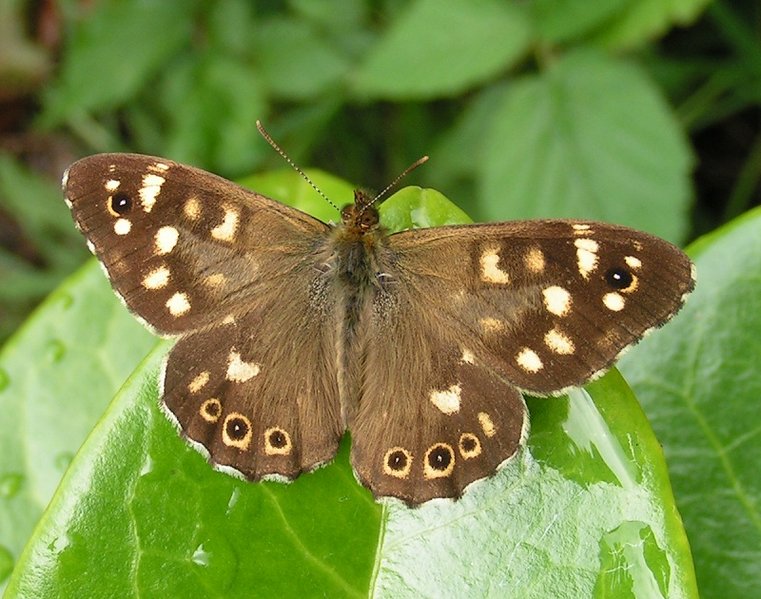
[390,186]
[285,157]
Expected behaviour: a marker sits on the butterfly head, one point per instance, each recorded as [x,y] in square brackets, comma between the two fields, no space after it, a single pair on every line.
[361,216]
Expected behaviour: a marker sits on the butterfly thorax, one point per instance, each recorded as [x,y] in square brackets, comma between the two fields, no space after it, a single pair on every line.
[357,244]
[359,258]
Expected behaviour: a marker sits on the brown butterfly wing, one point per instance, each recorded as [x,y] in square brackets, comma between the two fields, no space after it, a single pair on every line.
[182,247]
[252,377]
[432,419]
[481,311]
[548,304]
[259,392]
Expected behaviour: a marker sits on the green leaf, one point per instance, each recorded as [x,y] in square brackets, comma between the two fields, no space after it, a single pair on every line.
[112,50]
[699,382]
[295,60]
[586,510]
[443,47]
[39,248]
[644,20]
[591,138]
[143,506]
[559,21]
[212,103]
[57,375]
[287,187]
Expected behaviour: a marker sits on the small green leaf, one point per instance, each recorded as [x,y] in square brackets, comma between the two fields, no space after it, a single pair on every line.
[417,208]
[287,187]
[443,47]
[699,382]
[591,138]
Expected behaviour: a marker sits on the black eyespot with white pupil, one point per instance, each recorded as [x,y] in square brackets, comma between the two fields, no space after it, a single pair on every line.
[121,203]
[619,278]
[397,460]
[278,439]
[237,429]
[440,457]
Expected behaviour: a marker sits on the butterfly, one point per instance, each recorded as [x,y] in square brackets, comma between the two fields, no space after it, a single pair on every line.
[291,331]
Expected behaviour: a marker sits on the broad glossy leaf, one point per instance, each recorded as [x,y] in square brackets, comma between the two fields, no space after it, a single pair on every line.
[700,384]
[57,375]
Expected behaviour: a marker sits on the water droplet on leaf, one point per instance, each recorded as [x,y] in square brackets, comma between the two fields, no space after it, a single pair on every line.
[10,484]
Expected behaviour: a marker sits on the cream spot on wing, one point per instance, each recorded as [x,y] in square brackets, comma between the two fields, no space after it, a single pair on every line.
[528,360]
[157,278]
[192,208]
[581,229]
[178,304]
[150,190]
[614,301]
[633,261]
[122,226]
[229,319]
[586,256]
[638,246]
[239,371]
[557,300]
[226,231]
[112,185]
[491,325]
[559,342]
[165,240]
[490,271]
[65,178]
[215,280]
[467,357]
[448,401]
[534,260]
[199,382]
[159,167]
[486,424]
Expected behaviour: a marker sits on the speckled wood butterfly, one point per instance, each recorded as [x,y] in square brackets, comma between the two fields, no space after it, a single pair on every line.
[291,331]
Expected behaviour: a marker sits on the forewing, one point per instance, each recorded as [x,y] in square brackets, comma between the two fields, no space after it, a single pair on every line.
[547,304]
[182,247]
